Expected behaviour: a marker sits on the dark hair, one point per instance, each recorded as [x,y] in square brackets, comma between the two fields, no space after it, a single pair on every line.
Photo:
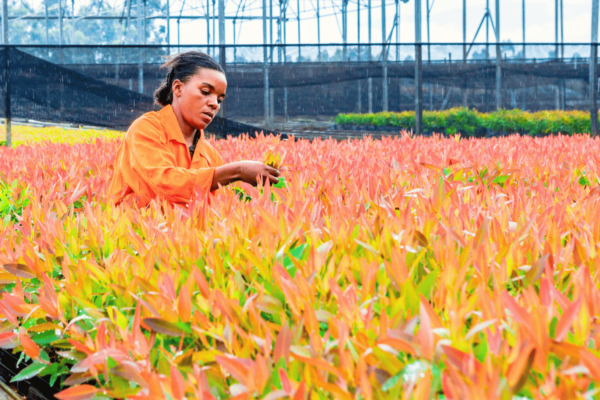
[183,66]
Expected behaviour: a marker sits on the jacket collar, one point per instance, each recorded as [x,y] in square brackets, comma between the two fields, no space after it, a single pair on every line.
[172,125]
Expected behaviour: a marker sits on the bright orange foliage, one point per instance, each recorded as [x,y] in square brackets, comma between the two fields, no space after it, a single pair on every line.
[400,268]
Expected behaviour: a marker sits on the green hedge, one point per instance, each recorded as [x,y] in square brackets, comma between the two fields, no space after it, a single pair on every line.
[470,122]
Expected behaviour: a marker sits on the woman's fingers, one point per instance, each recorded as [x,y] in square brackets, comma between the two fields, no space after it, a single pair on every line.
[272,171]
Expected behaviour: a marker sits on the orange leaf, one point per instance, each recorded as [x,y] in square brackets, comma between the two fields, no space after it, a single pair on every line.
[591,362]
[81,392]
[282,344]
[177,383]
[518,371]
[235,368]
[319,363]
[29,346]
[565,321]
[184,305]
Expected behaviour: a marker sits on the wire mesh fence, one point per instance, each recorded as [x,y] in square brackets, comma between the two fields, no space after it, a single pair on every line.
[112,85]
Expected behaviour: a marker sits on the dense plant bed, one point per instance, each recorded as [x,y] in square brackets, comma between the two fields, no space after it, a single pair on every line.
[425,268]
[470,122]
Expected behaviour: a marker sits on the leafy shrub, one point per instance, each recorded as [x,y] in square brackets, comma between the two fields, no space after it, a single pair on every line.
[470,121]
[13,199]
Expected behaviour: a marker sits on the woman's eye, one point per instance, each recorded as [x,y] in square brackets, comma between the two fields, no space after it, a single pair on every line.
[205,93]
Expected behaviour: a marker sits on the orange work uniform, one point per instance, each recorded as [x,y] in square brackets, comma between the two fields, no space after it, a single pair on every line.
[154,162]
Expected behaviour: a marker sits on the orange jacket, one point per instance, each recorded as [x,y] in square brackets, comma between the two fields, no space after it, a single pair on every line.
[154,162]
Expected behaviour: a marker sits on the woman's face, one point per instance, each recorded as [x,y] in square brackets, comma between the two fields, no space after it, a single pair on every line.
[199,99]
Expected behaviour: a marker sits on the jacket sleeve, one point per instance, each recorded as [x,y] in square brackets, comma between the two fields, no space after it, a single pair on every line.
[153,161]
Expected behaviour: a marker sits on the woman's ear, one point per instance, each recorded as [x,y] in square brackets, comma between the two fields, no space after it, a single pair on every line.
[176,88]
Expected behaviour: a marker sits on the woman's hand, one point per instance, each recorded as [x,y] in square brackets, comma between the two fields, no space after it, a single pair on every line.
[247,171]
[254,171]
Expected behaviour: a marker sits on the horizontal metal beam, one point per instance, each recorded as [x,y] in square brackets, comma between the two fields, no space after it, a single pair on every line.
[111,17]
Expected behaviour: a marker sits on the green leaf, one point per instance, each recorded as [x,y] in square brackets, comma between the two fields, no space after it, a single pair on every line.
[424,287]
[29,372]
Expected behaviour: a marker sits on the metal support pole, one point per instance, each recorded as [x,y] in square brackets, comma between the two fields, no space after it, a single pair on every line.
[46,7]
[7,110]
[214,27]
[299,47]
[5,41]
[140,41]
[556,29]
[208,26]
[285,104]
[358,31]
[271,104]
[60,23]
[397,24]
[487,29]
[464,29]
[370,41]
[523,18]
[384,80]
[418,71]
[370,94]
[345,29]
[594,70]
[271,29]
[168,23]
[222,58]
[265,62]
[498,59]
[359,90]
[428,38]
[319,30]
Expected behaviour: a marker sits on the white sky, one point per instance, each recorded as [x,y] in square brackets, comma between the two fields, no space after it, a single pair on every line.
[446,20]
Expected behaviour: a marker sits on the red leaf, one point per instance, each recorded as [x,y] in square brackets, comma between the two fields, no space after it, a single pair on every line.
[177,383]
[282,344]
[82,392]
[591,362]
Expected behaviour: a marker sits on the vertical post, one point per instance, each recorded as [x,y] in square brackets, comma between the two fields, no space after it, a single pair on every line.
[498,60]
[397,23]
[168,23]
[271,31]
[345,29]
[370,55]
[370,94]
[60,24]
[556,29]
[143,24]
[46,7]
[562,31]
[5,37]
[271,104]
[359,83]
[299,47]
[285,104]
[594,70]
[358,31]
[222,58]
[418,71]
[140,41]
[487,29]
[464,29]
[370,41]
[265,62]
[319,31]
[7,111]
[384,80]
[208,26]
[523,22]
[428,38]
[214,27]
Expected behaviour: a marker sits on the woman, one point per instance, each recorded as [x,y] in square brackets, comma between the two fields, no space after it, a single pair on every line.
[164,154]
